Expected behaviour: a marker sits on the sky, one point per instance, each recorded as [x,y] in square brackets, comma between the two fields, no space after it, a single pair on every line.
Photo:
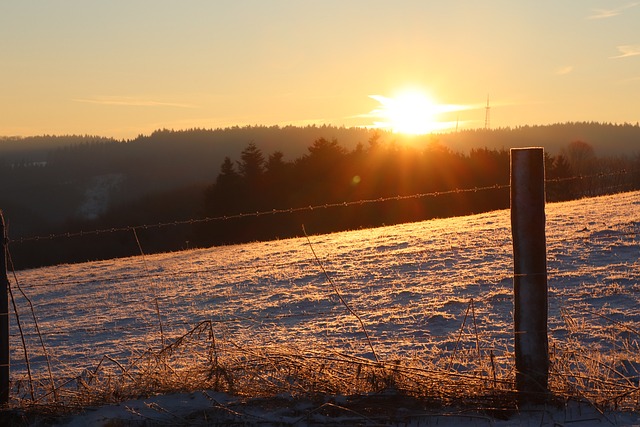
[120,68]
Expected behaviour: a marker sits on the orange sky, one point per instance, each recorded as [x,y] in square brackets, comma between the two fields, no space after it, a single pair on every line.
[120,68]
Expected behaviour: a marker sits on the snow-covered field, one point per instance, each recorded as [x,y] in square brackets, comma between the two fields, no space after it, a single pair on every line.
[433,287]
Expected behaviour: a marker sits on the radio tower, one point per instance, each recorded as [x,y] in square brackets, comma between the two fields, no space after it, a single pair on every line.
[487,115]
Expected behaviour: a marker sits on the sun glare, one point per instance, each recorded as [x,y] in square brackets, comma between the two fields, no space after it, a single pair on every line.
[410,112]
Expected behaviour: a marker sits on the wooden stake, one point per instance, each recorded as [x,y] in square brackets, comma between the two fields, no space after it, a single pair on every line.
[530,273]
[4,318]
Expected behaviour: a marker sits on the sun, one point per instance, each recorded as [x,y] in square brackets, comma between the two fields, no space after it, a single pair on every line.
[411,112]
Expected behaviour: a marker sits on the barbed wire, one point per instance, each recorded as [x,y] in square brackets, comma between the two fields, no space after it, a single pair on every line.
[218,269]
[255,214]
[175,326]
[595,175]
[203,220]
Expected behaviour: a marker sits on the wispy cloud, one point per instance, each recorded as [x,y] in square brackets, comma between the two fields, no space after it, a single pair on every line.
[131,102]
[627,50]
[564,70]
[436,108]
[610,13]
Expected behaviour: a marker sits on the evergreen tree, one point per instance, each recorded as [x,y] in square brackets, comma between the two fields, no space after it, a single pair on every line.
[221,197]
[252,164]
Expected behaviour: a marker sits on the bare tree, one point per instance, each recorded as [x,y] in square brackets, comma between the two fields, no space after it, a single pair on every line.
[581,157]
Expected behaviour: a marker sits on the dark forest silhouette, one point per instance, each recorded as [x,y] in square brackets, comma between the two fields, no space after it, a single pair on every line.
[176,176]
[329,174]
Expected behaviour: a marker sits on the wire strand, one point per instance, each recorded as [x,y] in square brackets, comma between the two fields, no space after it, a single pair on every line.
[292,210]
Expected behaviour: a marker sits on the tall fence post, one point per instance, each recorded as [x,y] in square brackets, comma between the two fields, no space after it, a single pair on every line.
[4,318]
[530,273]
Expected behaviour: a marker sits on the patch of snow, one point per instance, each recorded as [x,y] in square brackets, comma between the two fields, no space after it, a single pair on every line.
[411,284]
[210,408]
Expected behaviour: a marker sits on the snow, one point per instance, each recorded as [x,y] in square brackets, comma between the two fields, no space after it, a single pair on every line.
[179,409]
[410,284]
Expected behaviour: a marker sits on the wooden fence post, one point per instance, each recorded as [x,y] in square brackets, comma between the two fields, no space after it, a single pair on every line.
[4,318]
[530,273]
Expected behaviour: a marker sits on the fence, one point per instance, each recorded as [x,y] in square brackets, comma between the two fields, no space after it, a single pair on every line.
[272,293]
[4,318]
[111,242]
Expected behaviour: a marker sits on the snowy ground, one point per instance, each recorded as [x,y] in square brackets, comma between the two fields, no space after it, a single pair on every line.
[411,285]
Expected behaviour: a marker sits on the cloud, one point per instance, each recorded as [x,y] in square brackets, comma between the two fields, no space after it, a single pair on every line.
[610,13]
[131,102]
[564,70]
[627,50]
[437,108]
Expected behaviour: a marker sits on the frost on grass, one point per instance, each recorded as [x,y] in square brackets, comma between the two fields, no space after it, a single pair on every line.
[262,319]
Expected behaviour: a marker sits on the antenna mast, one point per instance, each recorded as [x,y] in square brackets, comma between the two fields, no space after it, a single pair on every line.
[487,115]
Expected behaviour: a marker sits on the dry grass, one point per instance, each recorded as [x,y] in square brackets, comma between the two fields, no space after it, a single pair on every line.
[479,376]
[594,358]
[607,375]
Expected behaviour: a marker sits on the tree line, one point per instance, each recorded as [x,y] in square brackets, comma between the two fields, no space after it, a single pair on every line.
[329,174]
[47,181]
[325,173]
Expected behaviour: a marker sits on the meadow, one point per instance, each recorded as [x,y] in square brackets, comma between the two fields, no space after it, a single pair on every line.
[410,323]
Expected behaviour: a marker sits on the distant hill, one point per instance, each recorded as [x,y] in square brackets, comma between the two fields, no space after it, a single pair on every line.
[607,139]
[48,180]
[36,149]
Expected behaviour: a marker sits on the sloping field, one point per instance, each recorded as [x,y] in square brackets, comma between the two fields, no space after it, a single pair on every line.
[429,303]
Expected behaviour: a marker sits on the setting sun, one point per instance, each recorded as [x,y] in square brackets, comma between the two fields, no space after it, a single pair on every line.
[411,112]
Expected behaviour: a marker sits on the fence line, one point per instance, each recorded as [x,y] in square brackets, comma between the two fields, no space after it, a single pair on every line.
[596,175]
[254,214]
[147,324]
[310,260]
[309,208]
[118,311]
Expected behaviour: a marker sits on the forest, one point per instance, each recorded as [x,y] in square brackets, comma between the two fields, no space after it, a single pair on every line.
[328,174]
[211,187]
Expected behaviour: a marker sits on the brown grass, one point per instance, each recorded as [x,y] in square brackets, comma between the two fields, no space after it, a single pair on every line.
[479,377]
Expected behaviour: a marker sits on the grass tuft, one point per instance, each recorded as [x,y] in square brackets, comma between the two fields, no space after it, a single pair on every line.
[477,376]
